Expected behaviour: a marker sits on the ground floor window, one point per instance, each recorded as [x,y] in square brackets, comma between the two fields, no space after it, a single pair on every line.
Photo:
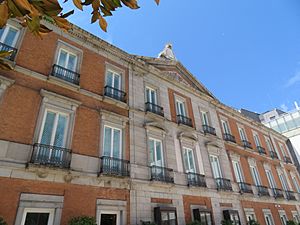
[38,217]
[109,218]
[232,215]
[269,219]
[203,216]
[165,216]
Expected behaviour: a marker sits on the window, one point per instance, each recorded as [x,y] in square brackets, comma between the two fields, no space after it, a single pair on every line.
[243,134]
[283,182]
[296,184]
[225,127]
[205,118]
[270,179]
[283,217]
[9,36]
[269,219]
[109,218]
[282,150]
[112,144]
[36,216]
[203,216]
[113,80]
[165,216]
[151,95]
[269,144]
[250,215]
[296,217]
[238,171]
[67,60]
[233,216]
[256,140]
[255,175]
[215,165]
[180,108]
[54,129]
[156,153]
[189,160]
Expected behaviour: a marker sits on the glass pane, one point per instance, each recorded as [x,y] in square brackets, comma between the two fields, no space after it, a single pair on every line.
[59,139]
[153,96]
[37,219]
[109,78]
[158,154]
[48,128]
[186,161]
[117,143]
[1,32]
[208,219]
[148,97]
[191,160]
[172,218]
[108,219]
[151,148]
[164,216]
[11,36]
[72,62]
[62,58]
[117,81]
[107,141]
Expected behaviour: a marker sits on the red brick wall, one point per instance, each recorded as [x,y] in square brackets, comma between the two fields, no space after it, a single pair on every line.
[79,200]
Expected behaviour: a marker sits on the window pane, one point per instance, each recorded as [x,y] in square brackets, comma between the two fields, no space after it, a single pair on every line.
[151,148]
[72,62]
[148,97]
[10,37]
[62,58]
[37,219]
[48,128]
[117,81]
[153,96]
[117,143]
[1,32]
[159,154]
[108,219]
[107,141]
[60,131]
[186,161]
[191,160]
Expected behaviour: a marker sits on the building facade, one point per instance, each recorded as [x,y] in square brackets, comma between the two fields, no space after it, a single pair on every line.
[88,129]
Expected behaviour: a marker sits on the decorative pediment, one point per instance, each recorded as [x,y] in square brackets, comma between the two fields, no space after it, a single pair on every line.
[155,126]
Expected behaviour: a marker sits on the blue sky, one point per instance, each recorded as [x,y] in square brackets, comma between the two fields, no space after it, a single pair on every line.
[247,52]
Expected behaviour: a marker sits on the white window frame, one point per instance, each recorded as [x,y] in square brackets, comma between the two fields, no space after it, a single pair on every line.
[112,140]
[39,210]
[255,175]
[283,217]
[218,166]
[155,154]
[283,181]
[183,102]
[256,139]
[269,144]
[296,216]
[67,59]
[205,117]
[57,112]
[282,150]
[243,134]
[151,100]
[249,212]
[268,214]
[270,178]
[185,149]
[4,34]
[225,127]
[296,183]
[238,171]
[110,213]
[114,73]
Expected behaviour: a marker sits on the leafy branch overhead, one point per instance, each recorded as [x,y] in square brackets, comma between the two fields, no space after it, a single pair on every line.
[30,12]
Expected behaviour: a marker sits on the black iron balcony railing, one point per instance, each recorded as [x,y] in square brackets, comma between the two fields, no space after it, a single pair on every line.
[162,174]
[114,166]
[115,93]
[278,193]
[195,179]
[209,130]
[262,190]
[51,156]
[273,155]
[184,120]
[290,195]
[261,150]
[229,137]
[245,188]
[287,159]
[65,74]
[4,47]
[246,144]
[223,184]
[150,107]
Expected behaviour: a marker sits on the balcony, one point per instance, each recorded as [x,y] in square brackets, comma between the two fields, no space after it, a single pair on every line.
[262,190]
[195,179]
[261,150]
[115,93]
[287,159]
[184,120]
[156,109]
[273,155]
[290,195]
[114,166]
[277,193]
[230,138]
[223,184]
[65,74]
[209,130]
[246,144]
[7,48]
[245,188]
[162,174]
[51,156]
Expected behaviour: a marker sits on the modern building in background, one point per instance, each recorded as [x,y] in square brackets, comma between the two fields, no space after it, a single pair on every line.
[88,129]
